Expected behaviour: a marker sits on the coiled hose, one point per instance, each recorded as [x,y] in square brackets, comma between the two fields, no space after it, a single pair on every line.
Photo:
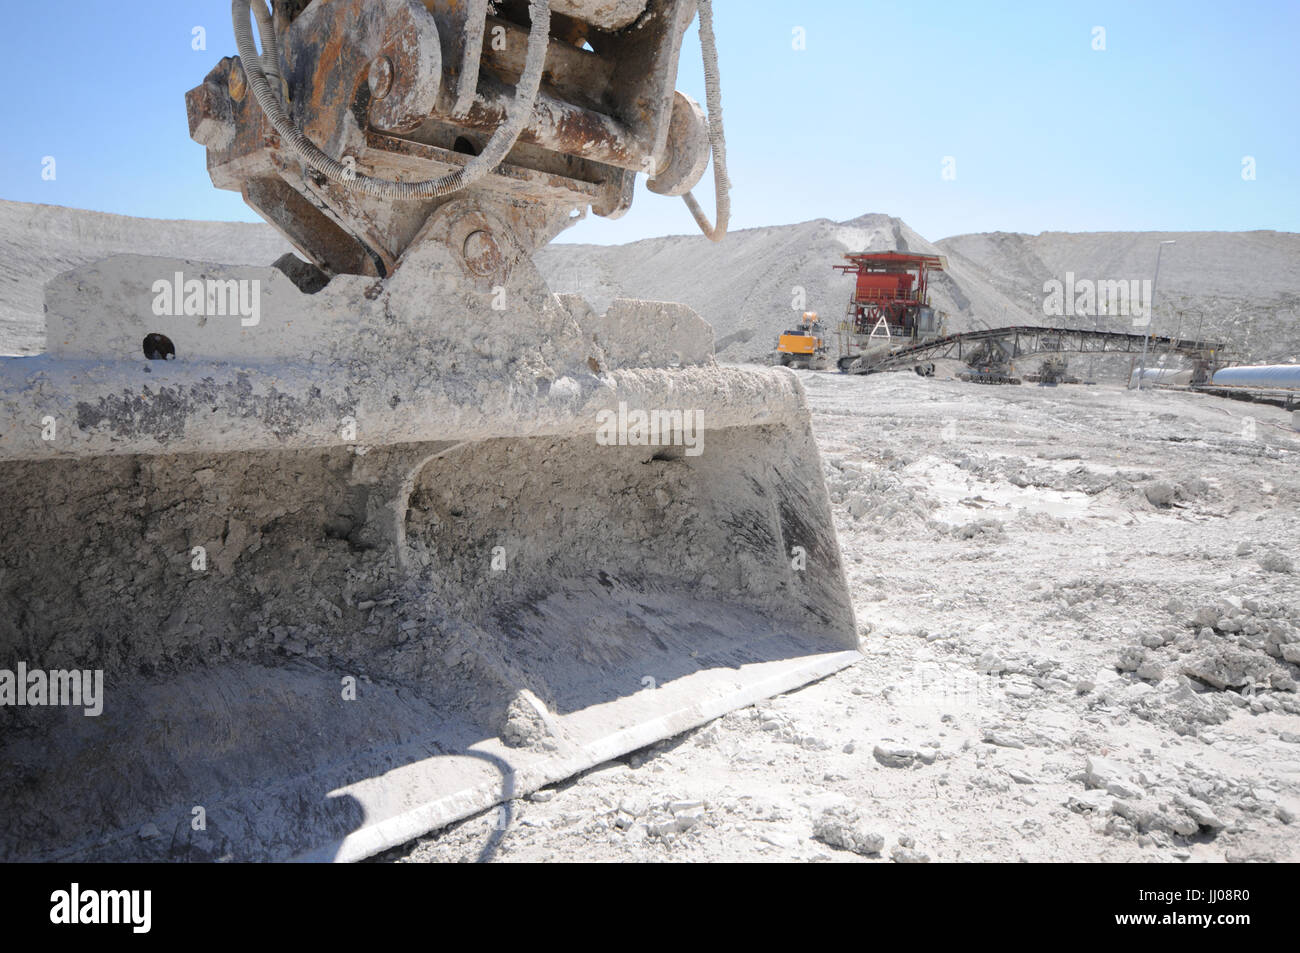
[269,61]
[493,154]
[713,96]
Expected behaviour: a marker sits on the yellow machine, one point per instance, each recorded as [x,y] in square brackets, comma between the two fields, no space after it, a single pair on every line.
[804,346]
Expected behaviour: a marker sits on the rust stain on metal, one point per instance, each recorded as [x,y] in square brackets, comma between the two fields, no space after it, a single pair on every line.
[355,66]
[237,84]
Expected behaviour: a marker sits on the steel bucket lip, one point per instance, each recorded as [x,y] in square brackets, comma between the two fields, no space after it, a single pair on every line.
[407,826]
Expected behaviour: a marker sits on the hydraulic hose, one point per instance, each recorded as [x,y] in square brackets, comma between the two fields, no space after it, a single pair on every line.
[717,137]
[493,154]
[270,58]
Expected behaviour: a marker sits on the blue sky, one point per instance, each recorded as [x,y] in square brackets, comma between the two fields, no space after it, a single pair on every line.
[1045,132]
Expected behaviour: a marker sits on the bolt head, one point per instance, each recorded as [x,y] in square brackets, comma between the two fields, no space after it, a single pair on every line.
[381,77]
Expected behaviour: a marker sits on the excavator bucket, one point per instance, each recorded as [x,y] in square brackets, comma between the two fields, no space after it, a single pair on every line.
[302,562]
[342,583]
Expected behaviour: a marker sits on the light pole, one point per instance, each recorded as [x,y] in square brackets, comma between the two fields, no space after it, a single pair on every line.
[1152,316]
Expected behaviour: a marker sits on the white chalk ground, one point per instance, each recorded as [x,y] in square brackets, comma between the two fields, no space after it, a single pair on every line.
[1010,571]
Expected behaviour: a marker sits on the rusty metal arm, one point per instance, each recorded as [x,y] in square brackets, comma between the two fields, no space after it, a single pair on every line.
[498,147]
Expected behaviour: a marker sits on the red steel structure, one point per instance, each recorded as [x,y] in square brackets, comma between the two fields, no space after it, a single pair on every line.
[893,286]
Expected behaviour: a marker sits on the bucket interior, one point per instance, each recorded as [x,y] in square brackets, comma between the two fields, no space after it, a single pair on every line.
[309,646]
